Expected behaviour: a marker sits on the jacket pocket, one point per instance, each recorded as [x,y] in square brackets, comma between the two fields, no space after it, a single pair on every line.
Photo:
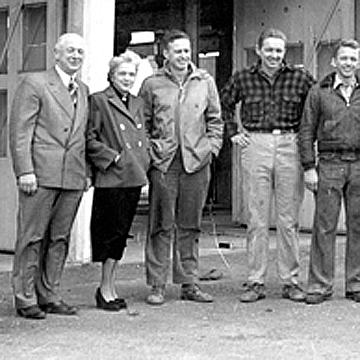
[331,129]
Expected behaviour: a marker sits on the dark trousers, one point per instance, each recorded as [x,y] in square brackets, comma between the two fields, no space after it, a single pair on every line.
[43,235]
[177,199]
[337,179]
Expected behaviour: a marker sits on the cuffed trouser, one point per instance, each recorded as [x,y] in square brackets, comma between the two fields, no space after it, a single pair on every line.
[337,179]
[271,166]
[177,199]
[43,234]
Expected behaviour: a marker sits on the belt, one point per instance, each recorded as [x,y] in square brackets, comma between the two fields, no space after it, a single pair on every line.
[342,154]
[340,151]
[274,131]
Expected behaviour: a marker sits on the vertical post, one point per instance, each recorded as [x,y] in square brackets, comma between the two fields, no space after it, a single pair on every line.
[75,16]
[192,21]
[357,19]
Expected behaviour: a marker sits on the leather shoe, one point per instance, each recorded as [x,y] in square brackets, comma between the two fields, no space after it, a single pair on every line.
[317,298]
[354,295]
[31,312]
[60,308]
[121,302]
[192,292]
[293,292]
[112,305]
[253,292]
[157,295]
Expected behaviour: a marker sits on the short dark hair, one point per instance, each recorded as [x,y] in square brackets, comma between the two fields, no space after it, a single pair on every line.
[270,33]
[172,35]
[351,43]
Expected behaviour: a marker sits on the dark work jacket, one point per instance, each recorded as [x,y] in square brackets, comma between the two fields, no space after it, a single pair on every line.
[113,129]
[329,120]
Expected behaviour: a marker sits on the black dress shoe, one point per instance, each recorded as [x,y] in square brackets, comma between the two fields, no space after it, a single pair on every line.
[31,312]
[111,305]
[122,303]
[355,295]
[60,308]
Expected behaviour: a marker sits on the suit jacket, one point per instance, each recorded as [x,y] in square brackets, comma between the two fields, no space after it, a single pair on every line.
[115,129]
[47,135]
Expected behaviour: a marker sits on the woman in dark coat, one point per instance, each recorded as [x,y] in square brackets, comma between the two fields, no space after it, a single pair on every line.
[117,149]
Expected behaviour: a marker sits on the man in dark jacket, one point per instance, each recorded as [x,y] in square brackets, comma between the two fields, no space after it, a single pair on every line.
[332,119]
[182,114]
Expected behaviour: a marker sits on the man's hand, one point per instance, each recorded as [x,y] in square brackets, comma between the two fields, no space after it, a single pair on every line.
[311,180]
[28,183]
[242,139]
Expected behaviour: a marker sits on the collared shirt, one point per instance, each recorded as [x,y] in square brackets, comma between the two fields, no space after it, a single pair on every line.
[346,89]
[65,78]
[265,105]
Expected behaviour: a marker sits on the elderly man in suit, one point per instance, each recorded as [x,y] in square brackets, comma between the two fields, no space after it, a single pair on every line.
[47,141]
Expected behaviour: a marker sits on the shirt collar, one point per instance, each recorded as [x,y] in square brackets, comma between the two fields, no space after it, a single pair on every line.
[338,81]
[257,67]
[65,78]
[167,68]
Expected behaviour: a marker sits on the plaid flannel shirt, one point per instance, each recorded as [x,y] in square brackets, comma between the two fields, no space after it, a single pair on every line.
[265,105]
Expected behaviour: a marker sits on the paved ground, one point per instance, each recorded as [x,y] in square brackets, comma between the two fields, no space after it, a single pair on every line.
[227,329]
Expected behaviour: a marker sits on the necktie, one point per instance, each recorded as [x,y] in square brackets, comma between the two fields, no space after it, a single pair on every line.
[72,87]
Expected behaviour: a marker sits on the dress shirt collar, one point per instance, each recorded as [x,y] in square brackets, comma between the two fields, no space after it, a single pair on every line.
[338,81]
[65,78]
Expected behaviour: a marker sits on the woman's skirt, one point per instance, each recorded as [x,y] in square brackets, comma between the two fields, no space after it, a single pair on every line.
[112,214]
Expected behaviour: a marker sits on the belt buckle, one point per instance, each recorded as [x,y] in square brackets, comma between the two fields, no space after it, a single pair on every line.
[276,132]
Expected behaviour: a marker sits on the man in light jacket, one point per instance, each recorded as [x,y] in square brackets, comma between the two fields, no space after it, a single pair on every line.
[184,125]
[47,140]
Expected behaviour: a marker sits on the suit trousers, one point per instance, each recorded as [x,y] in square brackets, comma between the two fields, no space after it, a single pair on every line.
[177,199]
[43,235]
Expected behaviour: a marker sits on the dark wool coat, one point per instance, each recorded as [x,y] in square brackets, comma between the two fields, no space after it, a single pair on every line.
[114,129]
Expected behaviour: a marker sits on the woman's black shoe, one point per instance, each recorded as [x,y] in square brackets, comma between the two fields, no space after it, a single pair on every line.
[121,302]
[101,303]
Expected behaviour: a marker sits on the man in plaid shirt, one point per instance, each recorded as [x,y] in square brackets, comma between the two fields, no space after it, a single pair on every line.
[271,96]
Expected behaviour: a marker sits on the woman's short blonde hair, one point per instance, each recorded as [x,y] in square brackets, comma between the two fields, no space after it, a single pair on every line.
[126,57]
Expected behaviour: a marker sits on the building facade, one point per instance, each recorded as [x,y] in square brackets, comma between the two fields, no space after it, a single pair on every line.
[223,34]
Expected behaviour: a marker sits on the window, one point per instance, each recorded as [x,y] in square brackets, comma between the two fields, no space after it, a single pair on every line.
[34,37]
[4,17]
[3,123]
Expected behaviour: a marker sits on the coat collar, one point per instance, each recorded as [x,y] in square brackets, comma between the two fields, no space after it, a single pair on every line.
[193,72]
[257,67]
[114,99]
[329,80]
[60,92]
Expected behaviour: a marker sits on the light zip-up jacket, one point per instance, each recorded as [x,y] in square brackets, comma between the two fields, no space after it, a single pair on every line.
[331,120]
[186,116]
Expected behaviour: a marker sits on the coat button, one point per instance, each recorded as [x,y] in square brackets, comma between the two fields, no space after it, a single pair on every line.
[66,129]
[128,145]
[140,143]
[122,127]
[139,126]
